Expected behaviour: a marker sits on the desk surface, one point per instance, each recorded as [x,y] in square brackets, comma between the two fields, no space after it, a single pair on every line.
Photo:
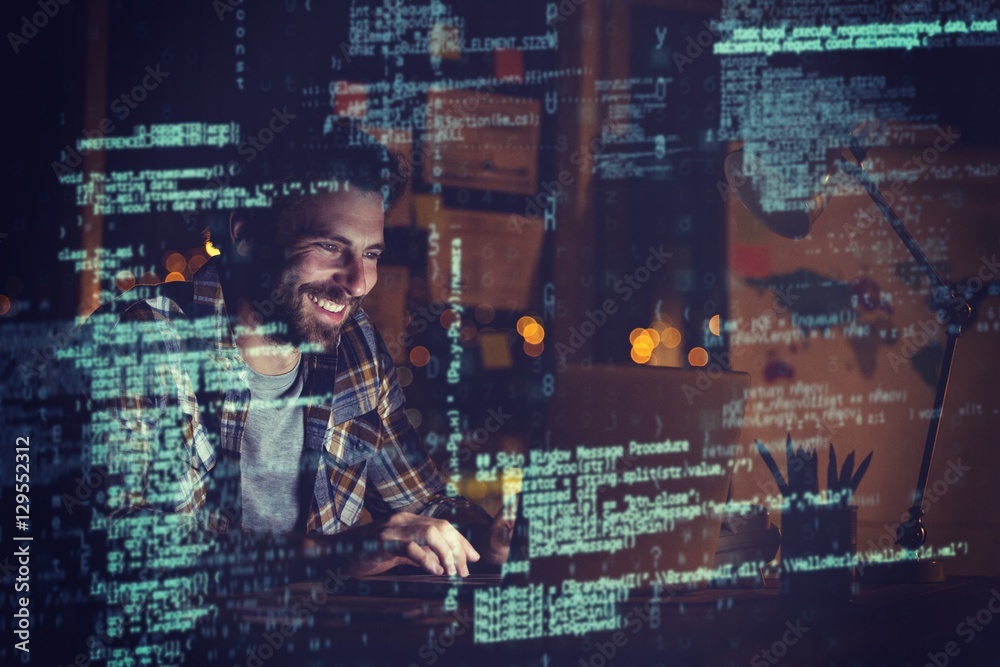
[890,625]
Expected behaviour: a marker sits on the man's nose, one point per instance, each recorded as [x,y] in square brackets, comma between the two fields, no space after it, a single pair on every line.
[352,277]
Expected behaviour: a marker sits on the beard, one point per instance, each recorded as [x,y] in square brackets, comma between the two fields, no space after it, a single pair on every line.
[305,326]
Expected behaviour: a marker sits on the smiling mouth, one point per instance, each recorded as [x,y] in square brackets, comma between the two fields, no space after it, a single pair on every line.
[328,306]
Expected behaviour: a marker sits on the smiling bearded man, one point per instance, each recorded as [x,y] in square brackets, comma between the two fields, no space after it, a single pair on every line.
[332,243]
[292,419]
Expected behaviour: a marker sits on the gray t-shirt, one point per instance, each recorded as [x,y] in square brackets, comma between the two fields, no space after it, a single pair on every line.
[272,451]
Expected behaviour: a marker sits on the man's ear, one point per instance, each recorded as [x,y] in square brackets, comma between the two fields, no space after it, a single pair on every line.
[239,234]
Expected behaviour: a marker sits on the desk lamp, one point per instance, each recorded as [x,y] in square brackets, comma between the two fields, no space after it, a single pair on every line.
[951,306]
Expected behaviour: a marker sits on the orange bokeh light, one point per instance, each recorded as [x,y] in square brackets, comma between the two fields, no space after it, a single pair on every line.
[639,357]
[533,333]
[713,324]
[698,356]
[523,322]
[533,349]
[671,338]
[175,263]
[174,277]
[420,356]
[485,313]
[467,331]
[643,343]
[125,280]
[4,305]
[415,416]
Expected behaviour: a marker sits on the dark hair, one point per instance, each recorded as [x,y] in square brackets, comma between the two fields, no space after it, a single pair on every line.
[309,161]
[346,153]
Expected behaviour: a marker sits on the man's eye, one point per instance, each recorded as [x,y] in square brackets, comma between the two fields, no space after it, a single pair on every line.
[329,247]
[374,256]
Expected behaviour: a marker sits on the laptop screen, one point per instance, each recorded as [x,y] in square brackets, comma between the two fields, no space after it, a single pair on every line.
[625,485]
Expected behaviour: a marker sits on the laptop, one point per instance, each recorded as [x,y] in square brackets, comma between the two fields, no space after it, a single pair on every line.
[625,483]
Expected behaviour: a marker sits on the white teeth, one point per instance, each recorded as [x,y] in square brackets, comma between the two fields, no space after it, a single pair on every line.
[328,306]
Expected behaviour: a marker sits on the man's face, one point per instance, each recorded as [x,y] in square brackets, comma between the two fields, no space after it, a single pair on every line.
[332,250]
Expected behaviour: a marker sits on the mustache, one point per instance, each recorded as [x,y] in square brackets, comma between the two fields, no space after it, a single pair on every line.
[330,293]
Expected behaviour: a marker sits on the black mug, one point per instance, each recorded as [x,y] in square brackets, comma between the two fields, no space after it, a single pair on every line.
[818,551]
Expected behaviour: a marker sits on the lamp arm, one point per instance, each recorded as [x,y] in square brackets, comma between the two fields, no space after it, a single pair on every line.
[946,295]
[911,534]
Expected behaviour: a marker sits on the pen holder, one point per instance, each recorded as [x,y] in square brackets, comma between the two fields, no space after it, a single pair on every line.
[818,552]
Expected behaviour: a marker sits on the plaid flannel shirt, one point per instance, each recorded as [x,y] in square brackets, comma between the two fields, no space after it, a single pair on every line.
[174,432]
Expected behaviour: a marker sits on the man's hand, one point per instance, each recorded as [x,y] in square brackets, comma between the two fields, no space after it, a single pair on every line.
[497,546]
[409,539]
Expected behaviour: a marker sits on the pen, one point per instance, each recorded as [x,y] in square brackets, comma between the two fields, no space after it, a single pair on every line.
[773,467]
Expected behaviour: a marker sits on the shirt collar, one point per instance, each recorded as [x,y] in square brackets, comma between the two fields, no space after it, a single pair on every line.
[208,305]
